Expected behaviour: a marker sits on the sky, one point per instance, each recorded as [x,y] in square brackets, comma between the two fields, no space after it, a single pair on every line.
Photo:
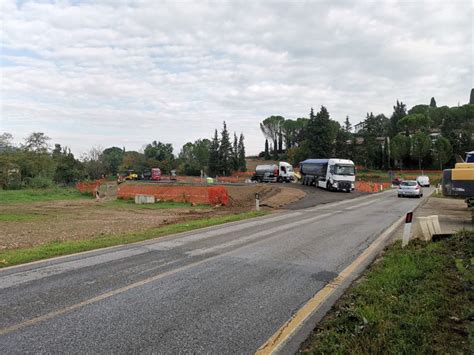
[125,73]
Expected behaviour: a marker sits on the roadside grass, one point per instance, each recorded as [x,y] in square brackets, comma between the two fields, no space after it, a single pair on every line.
[19,217]
[152,206]
[414,300]
[38,195]
[58,248]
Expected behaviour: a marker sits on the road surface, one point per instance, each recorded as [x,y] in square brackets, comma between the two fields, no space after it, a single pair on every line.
[225,289]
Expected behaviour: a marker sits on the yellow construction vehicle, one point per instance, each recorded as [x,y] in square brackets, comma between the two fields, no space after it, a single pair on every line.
[131,175]
[459,182]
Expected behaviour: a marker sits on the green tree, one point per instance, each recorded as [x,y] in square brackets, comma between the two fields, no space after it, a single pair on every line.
[235,153]
[37,142]
[158,155]
[241,150]
[112,158]
[414,122]
[433,102]
[321,135]
[271,128]
[442,151]
[214,161]
[194,157]
[421,144]
[471,99]
[136,161]
[36,163]
[5,141]
[225,153]
[375,129]
[347,125]
[289,129]
[400,148]
[93,163]
[299,153]
[399,111]
[458,127]
[267,152]
[68,168]
[159,151]
[344,144]
[419,109]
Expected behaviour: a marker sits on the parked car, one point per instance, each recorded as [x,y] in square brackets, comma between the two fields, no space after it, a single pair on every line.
[423,180]
[410,188]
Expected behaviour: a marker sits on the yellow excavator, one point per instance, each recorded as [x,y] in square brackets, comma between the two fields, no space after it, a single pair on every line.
[131,175]
[459,182]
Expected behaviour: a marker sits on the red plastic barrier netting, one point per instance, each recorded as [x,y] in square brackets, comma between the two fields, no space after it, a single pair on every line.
[365,186]
[218,195]
[89,186]
[196,194]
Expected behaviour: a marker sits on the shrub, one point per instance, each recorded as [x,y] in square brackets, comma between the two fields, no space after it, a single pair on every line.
[40,182]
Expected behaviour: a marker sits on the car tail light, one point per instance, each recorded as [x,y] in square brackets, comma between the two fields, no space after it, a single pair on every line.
[417,187]
[275,172]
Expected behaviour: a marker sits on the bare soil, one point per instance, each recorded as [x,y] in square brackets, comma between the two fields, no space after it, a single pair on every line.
[271,195]
[85,219]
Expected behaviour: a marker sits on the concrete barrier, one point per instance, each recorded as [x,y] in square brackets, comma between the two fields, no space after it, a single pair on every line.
[429,225]
[144,199]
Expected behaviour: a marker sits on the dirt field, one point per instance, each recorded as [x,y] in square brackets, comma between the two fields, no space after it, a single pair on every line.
[29,224]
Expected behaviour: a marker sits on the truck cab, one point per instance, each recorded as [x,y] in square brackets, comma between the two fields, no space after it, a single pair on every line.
[285,172]
[331,174]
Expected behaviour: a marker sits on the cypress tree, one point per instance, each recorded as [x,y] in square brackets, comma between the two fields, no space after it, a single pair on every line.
[433,102]
[471,100]
[267,153]
[242,162]
[319,135]
[214,155]
[235,154]
[280,141]
[399,111]
[347,125]
[225,152]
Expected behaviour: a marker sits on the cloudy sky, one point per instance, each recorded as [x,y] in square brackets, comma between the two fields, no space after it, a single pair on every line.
[124,73]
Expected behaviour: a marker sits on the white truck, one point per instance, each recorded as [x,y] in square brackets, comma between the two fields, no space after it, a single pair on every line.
[330,174]
[283,172]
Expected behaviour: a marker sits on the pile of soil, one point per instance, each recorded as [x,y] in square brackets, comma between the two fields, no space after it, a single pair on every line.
[271,195]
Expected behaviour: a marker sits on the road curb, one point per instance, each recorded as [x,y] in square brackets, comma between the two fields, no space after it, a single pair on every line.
[288,338]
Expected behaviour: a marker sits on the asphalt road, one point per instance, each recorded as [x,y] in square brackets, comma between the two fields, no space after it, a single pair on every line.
[224,289]
[317,196]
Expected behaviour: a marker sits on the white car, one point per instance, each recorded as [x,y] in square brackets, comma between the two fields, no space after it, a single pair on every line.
[423,180]
[410,188]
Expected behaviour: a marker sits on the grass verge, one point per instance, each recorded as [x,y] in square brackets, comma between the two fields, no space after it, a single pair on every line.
[38,195]
[414,300]
[153,206]
[19,217]
[58,248]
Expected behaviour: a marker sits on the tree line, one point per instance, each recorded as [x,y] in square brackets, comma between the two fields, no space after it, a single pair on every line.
[34,163]
[425,136]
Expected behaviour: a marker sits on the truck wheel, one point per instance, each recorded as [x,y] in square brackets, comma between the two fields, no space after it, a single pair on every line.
[279,180]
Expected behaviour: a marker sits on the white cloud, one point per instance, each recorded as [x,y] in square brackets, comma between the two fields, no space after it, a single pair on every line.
[126,73]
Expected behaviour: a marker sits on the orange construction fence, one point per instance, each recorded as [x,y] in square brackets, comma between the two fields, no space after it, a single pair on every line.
[365,186]
[88,186]
[208,195]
